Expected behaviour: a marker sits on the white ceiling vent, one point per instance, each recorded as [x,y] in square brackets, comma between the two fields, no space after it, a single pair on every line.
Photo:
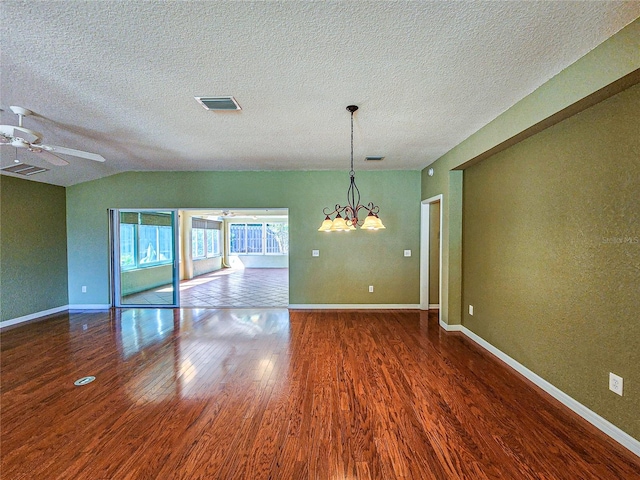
[374,158]
[218,103]
[24,169]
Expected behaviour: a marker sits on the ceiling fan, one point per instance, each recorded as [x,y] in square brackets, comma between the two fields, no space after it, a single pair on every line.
[21,137]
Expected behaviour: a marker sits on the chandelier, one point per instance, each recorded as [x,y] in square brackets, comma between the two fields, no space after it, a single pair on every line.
[346,217]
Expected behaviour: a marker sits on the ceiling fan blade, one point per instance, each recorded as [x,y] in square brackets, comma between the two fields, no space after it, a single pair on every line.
[6,134]
[50,157]
[70,151]
[26,134]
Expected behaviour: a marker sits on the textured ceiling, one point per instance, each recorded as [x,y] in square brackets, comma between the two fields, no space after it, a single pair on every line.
[118,78]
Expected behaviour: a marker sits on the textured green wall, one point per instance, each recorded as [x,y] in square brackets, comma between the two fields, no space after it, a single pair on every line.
[551,255]
[348,262]
[610,61]
[33,247]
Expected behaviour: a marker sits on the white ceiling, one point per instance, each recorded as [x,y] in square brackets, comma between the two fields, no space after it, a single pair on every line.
[118,78]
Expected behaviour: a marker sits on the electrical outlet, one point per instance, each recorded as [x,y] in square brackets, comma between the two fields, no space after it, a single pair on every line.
[370,288]
[407,253]
[84,289]
[315,253]
[615,383]
[470,309]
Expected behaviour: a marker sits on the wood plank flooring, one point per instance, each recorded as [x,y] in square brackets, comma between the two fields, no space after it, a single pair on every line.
[272,394]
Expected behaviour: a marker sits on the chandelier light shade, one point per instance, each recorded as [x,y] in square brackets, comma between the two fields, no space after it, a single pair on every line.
[372,222]
[346,217]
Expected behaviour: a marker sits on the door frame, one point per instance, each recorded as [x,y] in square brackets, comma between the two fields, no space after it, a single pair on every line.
[424,251]
[114,257]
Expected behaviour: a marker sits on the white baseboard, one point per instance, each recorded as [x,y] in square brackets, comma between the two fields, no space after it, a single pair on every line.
[90,306]
[434,306]
[33,316]
[355,306]
[451,328]
[590,416]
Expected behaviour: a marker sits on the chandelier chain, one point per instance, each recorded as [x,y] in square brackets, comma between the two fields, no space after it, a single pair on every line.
[352,172]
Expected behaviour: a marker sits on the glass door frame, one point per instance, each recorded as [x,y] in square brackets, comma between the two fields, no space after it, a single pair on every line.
[114,257]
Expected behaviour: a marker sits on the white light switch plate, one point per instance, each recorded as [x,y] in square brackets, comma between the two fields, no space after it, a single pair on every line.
[407,253]
[315,253]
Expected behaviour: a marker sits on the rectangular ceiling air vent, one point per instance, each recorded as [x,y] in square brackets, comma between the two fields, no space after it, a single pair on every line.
[24,169]
[218,103]
[373,158]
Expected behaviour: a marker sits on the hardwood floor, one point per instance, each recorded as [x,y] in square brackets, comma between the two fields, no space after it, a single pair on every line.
[253,394]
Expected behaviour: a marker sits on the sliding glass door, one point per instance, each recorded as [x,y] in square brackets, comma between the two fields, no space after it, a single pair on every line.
[144,257]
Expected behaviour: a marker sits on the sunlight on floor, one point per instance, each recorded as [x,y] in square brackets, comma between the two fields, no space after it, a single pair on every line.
[229,287]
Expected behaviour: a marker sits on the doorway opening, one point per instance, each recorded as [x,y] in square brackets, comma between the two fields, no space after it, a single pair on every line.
[226,258]
[431,253]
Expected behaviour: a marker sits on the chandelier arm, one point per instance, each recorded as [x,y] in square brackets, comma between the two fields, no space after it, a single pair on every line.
[326,212]
[358,221]
[353,195]
[357,201]
[373,209]
[337,209]
[352,217]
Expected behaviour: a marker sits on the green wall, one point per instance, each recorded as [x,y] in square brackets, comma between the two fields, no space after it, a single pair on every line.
[348,263]
[33,247]
[612,60]
[593,347]
[551,255]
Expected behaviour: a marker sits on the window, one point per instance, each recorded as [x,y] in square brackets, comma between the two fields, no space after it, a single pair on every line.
[237,238]
[197,242]
[277,235]
[254,237]
[205,238]
[259,238]
[127,245]
[146,239]
[213,242]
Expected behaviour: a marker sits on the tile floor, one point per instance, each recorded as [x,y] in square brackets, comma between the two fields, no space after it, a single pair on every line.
[249,287]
